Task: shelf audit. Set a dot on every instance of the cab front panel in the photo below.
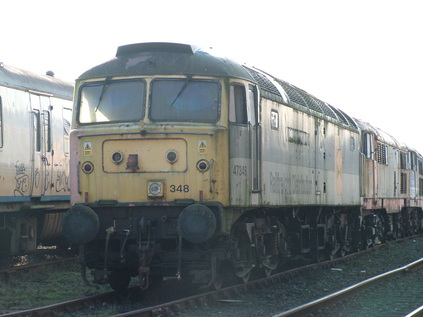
(185, 167)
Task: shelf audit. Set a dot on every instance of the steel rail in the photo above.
(7, 272)
(327, 300)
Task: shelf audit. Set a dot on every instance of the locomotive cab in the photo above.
(149, 142)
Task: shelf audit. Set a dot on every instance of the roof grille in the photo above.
(293, 94)
(344, 117)
(264, 82)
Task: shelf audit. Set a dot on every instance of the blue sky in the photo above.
(364, 57)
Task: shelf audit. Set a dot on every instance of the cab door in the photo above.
(41, 146)
(255, 144)
(244, 145)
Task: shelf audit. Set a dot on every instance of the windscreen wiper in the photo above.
(189, 77)
(103, 91)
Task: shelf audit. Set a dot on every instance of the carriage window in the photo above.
(185, 100)
(237, 105)
(112, 101)
(1, 123)
(47, 130)
(36, 130)
(36, 121)
(67, 117)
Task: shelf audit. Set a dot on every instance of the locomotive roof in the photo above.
(183, 59)
(166, 59)
(381, 135)
(24, 80)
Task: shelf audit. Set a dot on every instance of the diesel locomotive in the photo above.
(186, 164)
(35, 117)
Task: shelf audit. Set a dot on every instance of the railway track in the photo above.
(7, 271)
(394, 293)
(178, 305)
(65, 307)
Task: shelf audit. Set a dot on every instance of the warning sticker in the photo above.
(88, 149)
(202, 146)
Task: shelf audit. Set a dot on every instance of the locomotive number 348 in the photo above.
(179, 188)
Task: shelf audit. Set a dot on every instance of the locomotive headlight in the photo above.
(172, 156)
(155, 189)
(117, 157)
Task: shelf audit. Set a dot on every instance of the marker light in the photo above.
(203, 165)
(87, 167)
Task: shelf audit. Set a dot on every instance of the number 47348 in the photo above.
(179, 188)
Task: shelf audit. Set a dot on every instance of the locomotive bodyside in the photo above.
(34, 155)
(391, 182)
(298, 160)
(308, 160)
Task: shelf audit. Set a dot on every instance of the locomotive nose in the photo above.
(80, 224)
(197, 223)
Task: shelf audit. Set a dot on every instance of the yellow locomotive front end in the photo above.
(149, 172)
(151, 165)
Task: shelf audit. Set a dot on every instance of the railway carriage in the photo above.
(189, 165)
(35, 116)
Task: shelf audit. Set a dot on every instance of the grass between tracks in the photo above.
(45, 287)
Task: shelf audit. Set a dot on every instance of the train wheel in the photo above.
(321, 256)
(243, 259)
(245, 278)
(268, 272)
(333, 244)
(399, 233)
(219, 273)
(218, 282)
(267, 247)
(333, 251)
(243, 273)
(119, 280)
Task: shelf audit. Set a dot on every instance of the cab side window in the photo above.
(252, 95)
(238, 105)
(367, 145)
